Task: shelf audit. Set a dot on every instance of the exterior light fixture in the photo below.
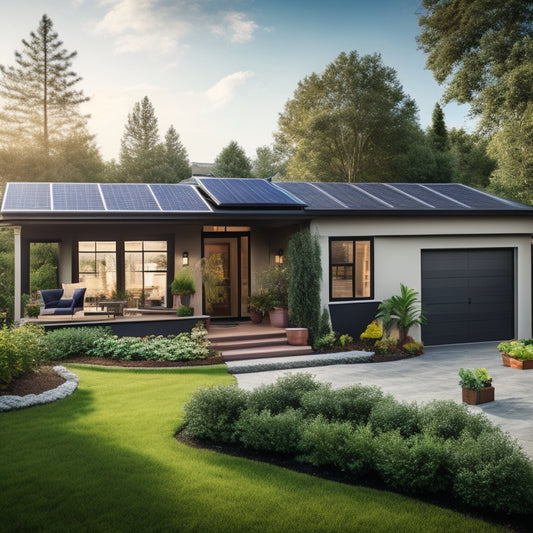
(278, 258)
(185, 259)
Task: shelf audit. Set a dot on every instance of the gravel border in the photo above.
(9, 403)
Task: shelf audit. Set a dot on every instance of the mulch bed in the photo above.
(34, 382)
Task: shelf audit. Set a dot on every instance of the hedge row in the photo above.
(439, 448)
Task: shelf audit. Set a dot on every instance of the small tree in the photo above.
(232, 162)
(176, 163)
(305, 274)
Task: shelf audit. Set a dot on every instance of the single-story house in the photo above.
(467, 253)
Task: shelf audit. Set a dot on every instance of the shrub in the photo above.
(278, 433)
(21, 350)
(352, 404)
(286, 392)
(212, 413)
(184, 310)
(420, 464)
(522, 349)
(448, 420)
(324, 325)
(492, 472)
(73, 342)
(386, 345)
(372, 332)
(413, 348)
(338, 444)
(325, 342)
(389, 414)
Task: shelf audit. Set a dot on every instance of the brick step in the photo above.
(265, 336)
(265, 351)
(246, 343)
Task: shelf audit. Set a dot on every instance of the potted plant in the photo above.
(477, 386)
(274, 282)
(183, 285)
(259, 303)
(517, 354)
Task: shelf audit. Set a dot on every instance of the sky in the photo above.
(219, 70)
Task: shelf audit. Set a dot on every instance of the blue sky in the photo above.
(219, 70)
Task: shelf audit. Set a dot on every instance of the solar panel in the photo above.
(179, 198)
(426, 194)
(393, 197)
(129, 197)
(242, 192)
(471, 197)
(311, 195)
(27, 197)
(77, 197)
(351, 196)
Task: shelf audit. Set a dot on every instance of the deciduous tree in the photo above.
(348, 123)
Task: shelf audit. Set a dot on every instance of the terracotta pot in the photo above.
(279, 318)
(255, 315)
(474, 397)
(516, 363)
(297, 336)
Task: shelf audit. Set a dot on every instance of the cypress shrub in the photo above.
(305, 275)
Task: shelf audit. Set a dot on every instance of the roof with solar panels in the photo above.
(203, 196)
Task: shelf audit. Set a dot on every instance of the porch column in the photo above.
(18, 274)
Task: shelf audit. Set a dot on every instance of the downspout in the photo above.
(18, 274)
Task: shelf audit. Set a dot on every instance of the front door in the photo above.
(226, 275)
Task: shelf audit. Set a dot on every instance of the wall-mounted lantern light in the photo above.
(185, 259)
(278, 258)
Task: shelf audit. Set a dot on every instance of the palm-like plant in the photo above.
(404, 310)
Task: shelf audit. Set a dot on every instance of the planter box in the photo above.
(474, 397)
(516, 363)
(297, 336)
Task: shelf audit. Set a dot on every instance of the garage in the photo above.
(468, 295)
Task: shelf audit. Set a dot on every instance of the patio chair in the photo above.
(54, 304)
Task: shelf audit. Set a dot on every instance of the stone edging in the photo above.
(8, 403)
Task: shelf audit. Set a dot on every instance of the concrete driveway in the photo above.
(434, 375)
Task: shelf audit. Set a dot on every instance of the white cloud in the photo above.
(144, 25)
(237, 27)
(224, 90)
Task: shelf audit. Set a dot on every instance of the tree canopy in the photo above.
(232, 162)
(348, 123)
(482, 50)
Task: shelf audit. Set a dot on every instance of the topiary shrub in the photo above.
(279, 433)
(212, 413)
(352, 404)
(286, 392)
(73, 342)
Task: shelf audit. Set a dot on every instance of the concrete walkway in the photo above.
(434, 375)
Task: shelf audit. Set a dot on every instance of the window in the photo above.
(97, 267)
(146, 272)
(350, 268)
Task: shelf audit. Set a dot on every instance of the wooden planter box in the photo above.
(474, 397)
(297, 336)
(516, 363)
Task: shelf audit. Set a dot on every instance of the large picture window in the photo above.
(97, 267)
(350, 268)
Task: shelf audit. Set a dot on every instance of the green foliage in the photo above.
(325, 342)
(212, 413)
(73, 342)
(403, 309)
(338, 444)
(7, 279)
(372, 332)
(413, 348)
(268, 163)
(274, 284)
(305, 275)
(324, 324)
(348, 123)
(521, 350)
(183, 283)
(389, 414)
(449, 420)
(182, 347)
(492, 472)
(420, 464)
(232, 162)
(474, 379)
(21, 350)
(385, 346)
(185, 310)
(285, 393)
(33, 311)
(353, 404)
(176, 165)
(261, 301)
(279, 433)
(438, 133)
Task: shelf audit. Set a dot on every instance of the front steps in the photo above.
(248, 341)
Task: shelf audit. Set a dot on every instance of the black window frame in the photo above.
(353, 263)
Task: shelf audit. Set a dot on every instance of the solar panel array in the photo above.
(242, 192)
(210, 194)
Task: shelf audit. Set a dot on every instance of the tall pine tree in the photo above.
(438, 133)
(41, 99)
(232, 162)
(177, 165)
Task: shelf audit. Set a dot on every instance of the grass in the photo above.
(105, 459)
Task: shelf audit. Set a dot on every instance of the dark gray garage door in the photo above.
(468, 295)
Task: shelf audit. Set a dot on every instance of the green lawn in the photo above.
(105, 459)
